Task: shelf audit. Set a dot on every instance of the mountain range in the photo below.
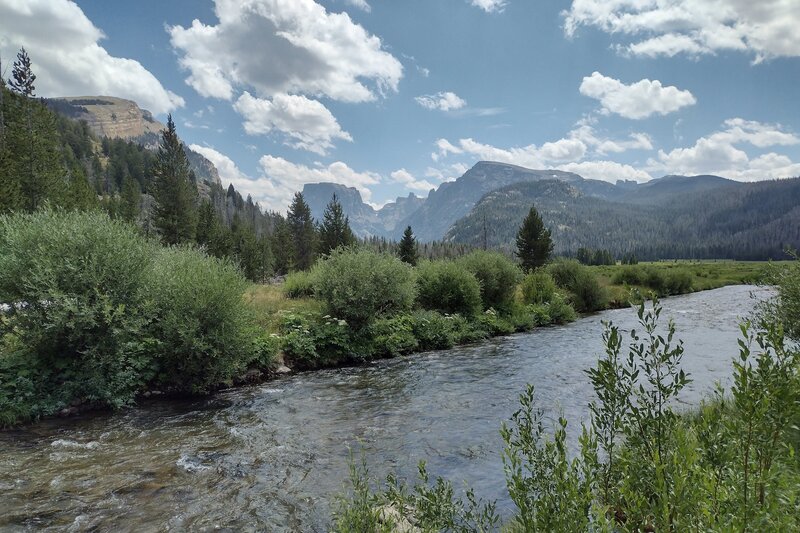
(668, 217)
(701, 216)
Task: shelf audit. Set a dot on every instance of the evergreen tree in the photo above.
(32, 142)
(131, 199)
(534, 244)
(408, 248)
(335, 229)
(22, 76)
(281, 247)
(175, 211)
(303, 233)
(207, 222)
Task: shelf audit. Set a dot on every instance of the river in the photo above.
(271, 457)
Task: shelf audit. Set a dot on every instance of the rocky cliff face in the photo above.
(108, 116)
(117, 118)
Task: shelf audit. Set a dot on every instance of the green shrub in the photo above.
(465, 331)
(560, 311)
(311, 341)
(538, 287)
(786, 307)
(201, 327)
(394, 336)
(360, 285)
(655, 280)
(494, 324)
(76, 333)
(300, 284)
(433, 330)
(447, 287)
(678, 281)
(498, 277)
(265, 350)
(629, 275)
(662, 282)
(586, 293)
(297, 341)
(540, 314)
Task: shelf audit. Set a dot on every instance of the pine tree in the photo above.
(303, 232)
(32, 141)
(175, 211)
(408, 248)
(22, 76)
(335, 229)
(281, 245)
(131, 199)
(534, 244)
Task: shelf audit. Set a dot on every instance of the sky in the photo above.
(396, 97)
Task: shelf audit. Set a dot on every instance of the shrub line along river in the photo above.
(271, 457)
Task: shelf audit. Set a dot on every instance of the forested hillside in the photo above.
(49, 159)
(730, 220)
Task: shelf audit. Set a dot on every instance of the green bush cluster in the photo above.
(585, 292)
(368, 297)
(498, 277)
(538, 287)
(311, 341)
(301, 284)
(447, 287)
(359, 285)
(99, 313)
(201, 331)
(662, 281)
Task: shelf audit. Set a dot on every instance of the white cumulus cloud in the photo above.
(404, 177)
(761, 28)
(723, 153)
(606, 171)
(306, 123)
(279, 178)
(441, 101)
(490, 6)
(636, 101)
(284, 46)
(360, 4)
(68, 59)
(286, 178)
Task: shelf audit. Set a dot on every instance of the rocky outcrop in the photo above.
(117, 118)
(109, 116)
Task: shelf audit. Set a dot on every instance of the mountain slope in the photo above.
(735, 220)
(117, 118)
(365, 221)
(454, 200)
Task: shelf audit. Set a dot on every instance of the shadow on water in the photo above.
(271, 457)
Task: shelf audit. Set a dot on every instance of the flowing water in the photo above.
(272, 457)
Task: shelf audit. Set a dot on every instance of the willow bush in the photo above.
(640, 465)
(74, 329)
(359, 285)
(95, 313)
(200, 331)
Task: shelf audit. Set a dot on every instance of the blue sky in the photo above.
(394, 97)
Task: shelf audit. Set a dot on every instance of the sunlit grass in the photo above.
(270, 301)
(707, 274)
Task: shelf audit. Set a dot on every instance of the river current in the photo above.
(272, 457)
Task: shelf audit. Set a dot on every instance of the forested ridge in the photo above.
(733, 220)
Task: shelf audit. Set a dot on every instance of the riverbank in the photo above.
(640, 462)
(284, 314)
(272, 457)
(175, 323)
